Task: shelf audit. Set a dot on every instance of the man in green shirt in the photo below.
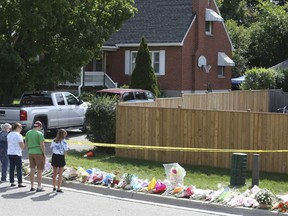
(36, 150)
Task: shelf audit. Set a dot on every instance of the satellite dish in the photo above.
(202, 61)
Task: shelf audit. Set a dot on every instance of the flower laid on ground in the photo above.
(264, 196)
(174, 186)
(283, 207)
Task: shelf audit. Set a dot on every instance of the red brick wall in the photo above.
(181, 68)
(209, 46)
(115, 67)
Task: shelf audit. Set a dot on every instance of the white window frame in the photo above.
(209, 24)
(130, 57)
(221, 72)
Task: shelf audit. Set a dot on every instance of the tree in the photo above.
(259, 32)
(269, 36)
(241, 42)
(46, 42)
(259, 78)
(282, 79)
(143, 75)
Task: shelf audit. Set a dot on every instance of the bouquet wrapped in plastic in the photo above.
(174, 174)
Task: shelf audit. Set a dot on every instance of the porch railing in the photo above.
(94, 79)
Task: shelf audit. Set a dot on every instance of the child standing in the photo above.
(59, 148)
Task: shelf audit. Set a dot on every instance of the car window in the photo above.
(140, 96)
(71, 100)
(128, 96)
(60, 99)
(36, 99)
(150, 95)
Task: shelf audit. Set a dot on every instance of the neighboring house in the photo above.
(281, 66)
(189, 47)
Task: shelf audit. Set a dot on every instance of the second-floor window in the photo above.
(209, 27)
(221, 72)
(157, 61)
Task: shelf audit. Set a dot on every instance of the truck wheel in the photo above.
(44, 130)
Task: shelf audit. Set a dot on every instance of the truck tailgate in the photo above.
(9, 114)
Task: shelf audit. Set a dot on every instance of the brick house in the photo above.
(188, 41)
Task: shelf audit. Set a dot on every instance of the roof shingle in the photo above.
(159, 21)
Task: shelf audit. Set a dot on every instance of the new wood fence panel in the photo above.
(203, 129)
(257, 101)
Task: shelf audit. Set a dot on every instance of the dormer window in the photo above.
(209, 27)
(210, 17)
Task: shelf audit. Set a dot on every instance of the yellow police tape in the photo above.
(164, 148)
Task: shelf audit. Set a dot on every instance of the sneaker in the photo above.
(13, 185)
(32, 189)
(60, 191)
(21, 185)
(40, 189)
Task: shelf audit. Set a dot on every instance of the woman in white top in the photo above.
(59, 148)
(15, 147)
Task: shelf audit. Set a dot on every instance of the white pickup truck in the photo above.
(54, 109)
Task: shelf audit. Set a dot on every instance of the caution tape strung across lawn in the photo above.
(180, 149)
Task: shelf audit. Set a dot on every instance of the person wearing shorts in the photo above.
(36, 150)
(59, 148)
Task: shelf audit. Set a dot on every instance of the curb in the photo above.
(166, 200)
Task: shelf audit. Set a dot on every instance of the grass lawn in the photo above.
(201, 177)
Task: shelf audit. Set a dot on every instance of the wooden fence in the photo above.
(257, 101)
(191, 128)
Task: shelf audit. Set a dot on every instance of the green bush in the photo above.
(259, 78)
(101, 120)
(87, 96)
(282, 79)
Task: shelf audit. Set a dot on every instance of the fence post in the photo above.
(255, 169)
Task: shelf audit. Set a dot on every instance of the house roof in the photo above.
(283, 65)
(159, 21)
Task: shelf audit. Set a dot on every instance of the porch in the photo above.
(92, 79)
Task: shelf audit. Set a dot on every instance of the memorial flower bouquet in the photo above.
(283, 207)
(265, 197)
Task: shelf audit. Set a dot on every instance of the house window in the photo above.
(157, 61)
(209, 27)
(221, 73)
(133, 60)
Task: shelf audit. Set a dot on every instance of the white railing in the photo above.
(93, 78)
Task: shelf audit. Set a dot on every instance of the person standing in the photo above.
(59, 148)
(5, 129)
(15, 147)
(36, 150)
